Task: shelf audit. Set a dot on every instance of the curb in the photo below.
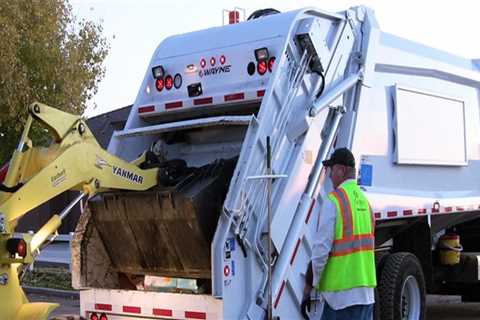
(71, 294)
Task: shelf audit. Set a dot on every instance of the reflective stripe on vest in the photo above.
(349, 243)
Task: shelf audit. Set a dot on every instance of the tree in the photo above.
(48, 56)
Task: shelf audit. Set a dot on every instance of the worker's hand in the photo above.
(307, 290)
(305, 307)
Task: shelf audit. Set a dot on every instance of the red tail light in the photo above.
(4, 171)
(103, 317)
(159, 84)
(17, 246)
(168, 82)
(223, 59)
(271, 62)
(93, 316)
(212, 61)
(146, 109)
(22, 248)
(203, 63)
(262, 67)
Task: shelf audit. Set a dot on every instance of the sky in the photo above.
(134, 28)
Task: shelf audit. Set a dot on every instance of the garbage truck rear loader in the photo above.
(309, 81)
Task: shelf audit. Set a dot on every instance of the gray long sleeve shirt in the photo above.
(322, 245)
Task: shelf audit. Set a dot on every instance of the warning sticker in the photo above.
(366, 173)
(229, 247)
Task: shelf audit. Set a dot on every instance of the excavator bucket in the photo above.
(165, 231)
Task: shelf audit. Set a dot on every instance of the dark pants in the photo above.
(356, 312)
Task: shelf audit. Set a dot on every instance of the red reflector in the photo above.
(233, 17)
(168, 82)
(131, 309)
(295, 252)
(146, 109)
(203, 63)
(159, 84)
(260, 93)
(407, 212)
(235, 96)
(222, 59)
(162, 312)
(4, 171)
(195, 315)
(422, 211)
(310, 211)
(198, 102)
(391, 214)
(262, 67)
(103, 307)
(277, 300)
(94, 316)
(226, 271)
(378, 215)
(212, 61)
(271, 62)
(173, 105)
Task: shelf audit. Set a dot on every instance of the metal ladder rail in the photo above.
(298, 81)
(282, 107)
(339, 88)
(254, 163)
(258, 209)
(283, 268)
(253, 153)
(282, 116)
(275, 96)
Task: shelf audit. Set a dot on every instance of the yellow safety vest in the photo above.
(352, 260)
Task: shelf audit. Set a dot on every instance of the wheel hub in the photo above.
(411, 302)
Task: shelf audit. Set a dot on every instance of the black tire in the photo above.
(402, 272)
(377, 313)
(380, 258)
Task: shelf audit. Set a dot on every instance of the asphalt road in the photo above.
(438, 307)
(67, 306)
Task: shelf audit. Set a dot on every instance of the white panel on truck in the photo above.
(430, 129)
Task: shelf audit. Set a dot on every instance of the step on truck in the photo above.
(238, 119)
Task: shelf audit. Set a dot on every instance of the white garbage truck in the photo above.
(238, 119)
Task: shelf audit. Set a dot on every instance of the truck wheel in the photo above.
(380, 258)
(402, 288)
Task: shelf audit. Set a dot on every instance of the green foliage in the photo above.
(44, 277)
(45, 55)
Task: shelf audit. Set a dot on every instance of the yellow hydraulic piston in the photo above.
(74, 161)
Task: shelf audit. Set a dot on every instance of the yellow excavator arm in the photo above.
(74, 161)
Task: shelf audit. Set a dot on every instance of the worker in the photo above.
(342, 269)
